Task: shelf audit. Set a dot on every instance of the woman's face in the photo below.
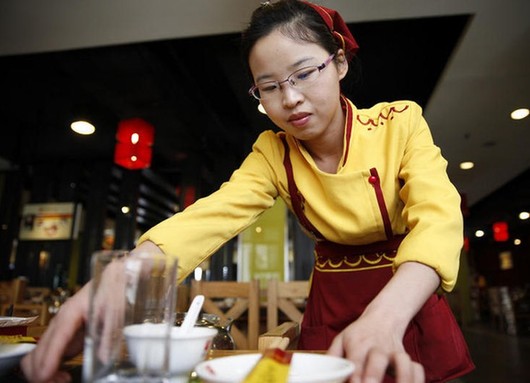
(306, 113)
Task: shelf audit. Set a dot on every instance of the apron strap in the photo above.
(297, 199)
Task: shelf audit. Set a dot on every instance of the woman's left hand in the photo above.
(375, 348)
(374, 342)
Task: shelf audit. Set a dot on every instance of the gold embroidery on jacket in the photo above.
(388, 116)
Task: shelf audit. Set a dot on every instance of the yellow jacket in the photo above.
(392, 137)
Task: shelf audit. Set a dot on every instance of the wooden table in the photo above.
(74, 365)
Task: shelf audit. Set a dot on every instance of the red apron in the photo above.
(433, 338)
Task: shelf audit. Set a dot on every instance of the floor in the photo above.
(499, 358)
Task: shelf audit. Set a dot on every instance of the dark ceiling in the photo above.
(194, 92)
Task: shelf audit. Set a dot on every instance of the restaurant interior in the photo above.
(172, 71)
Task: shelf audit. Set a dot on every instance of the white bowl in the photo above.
(145, 346)
(10, 355)
(305, 367)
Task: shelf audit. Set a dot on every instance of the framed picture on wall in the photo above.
(49, 221)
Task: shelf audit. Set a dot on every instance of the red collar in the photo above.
(346, 106)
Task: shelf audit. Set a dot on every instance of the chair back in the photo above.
(231, 299)
(183, 298)
(18, 299)
(288, 298)
(12, 291)
(37, 294)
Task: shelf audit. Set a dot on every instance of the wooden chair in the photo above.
(230, 299)
(183, 298)
(284, 336)
(25, 301)
(6, 293)
(12, 291)
(36, 294)
(287, 298)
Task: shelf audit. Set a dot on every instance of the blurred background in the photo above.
(173, 70)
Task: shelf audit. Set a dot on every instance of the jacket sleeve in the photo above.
(432, 205)
(201, 229)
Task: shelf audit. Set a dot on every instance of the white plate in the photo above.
(305, 367)
(10, 355)
(16, 321)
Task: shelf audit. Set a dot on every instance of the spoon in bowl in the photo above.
(193, 313)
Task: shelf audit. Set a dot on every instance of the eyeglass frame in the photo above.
(320, 68)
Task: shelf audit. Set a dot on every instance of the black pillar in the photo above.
(11, 186)
(125, 230)
(95, 212)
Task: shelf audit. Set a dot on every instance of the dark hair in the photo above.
(294, 19)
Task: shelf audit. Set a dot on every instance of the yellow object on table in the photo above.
(10, 339)
(273, 366)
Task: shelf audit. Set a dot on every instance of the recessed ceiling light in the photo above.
(524, 215)
(479, 233)
(517, 241)
(466, 165)
(519, 114)
(83, 127)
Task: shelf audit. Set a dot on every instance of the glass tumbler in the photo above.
(131, 313)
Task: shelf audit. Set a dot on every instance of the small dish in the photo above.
(16, 321)
(11, 353)
(305, 368)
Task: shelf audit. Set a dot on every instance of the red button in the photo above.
(372, 179)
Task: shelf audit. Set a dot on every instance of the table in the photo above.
(74, 365)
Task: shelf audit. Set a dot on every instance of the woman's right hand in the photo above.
(64, 338)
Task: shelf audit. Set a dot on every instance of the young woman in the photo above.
(368, 185)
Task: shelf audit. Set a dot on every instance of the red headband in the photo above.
(338, 27)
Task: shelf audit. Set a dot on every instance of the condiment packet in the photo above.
(10, 339)
(272, 367)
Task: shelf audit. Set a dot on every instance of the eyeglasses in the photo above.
(298, 79)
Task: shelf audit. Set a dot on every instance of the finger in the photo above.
(62, 377)
(418, 372)
(406, 370)
(375, 366)
(402, 367)
(336, 347)
(57, 377)
(43, 362)
(110, 336)
(340, 348)
(109, 308)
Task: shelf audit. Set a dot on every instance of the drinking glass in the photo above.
(131, 293)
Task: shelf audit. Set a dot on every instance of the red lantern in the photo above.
(500, 231)
(135, 130)
(132, 156)
(133, 149)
